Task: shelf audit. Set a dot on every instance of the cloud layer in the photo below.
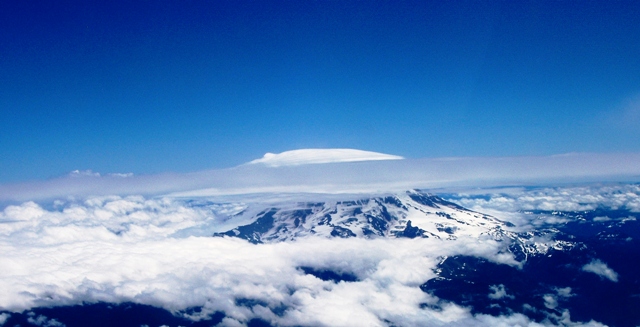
(346, 177)
(118, 249)
(119, 238)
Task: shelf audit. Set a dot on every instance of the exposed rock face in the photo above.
(410, 214)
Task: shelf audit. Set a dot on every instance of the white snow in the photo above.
(317, 156)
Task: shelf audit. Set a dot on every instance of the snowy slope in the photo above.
(410, 214)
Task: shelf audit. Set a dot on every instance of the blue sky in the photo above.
(154, 86)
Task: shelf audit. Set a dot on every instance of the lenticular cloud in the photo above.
(318, 156)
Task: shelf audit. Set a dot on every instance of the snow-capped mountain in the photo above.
(410, 214)
(430, 259)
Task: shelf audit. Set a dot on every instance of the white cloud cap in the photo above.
(318, 156)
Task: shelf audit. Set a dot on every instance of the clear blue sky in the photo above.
(154, 86)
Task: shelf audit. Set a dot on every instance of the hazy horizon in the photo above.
(152, 87)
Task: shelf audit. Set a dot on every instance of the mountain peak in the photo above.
(318, 156)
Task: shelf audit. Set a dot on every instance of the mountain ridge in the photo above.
(410, 214)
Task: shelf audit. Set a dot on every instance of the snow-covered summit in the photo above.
(317, 156)
(410, 214)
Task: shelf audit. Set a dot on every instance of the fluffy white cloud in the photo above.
(601, 269)
(499, 292)
(3, 318)
(43, 321)
(576, 198)
(145, 250)
(564, 292)
(550, 301)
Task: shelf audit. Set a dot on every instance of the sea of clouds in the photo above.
(119, 249)
(61, 245)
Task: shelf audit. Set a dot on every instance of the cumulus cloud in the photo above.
(564, 292)
(550, 301)
(43, 321)
(568, 198)
(499, 292)
(564, 319)
(3, 318)
(145, 250)
(601, 269)
(533, 207)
